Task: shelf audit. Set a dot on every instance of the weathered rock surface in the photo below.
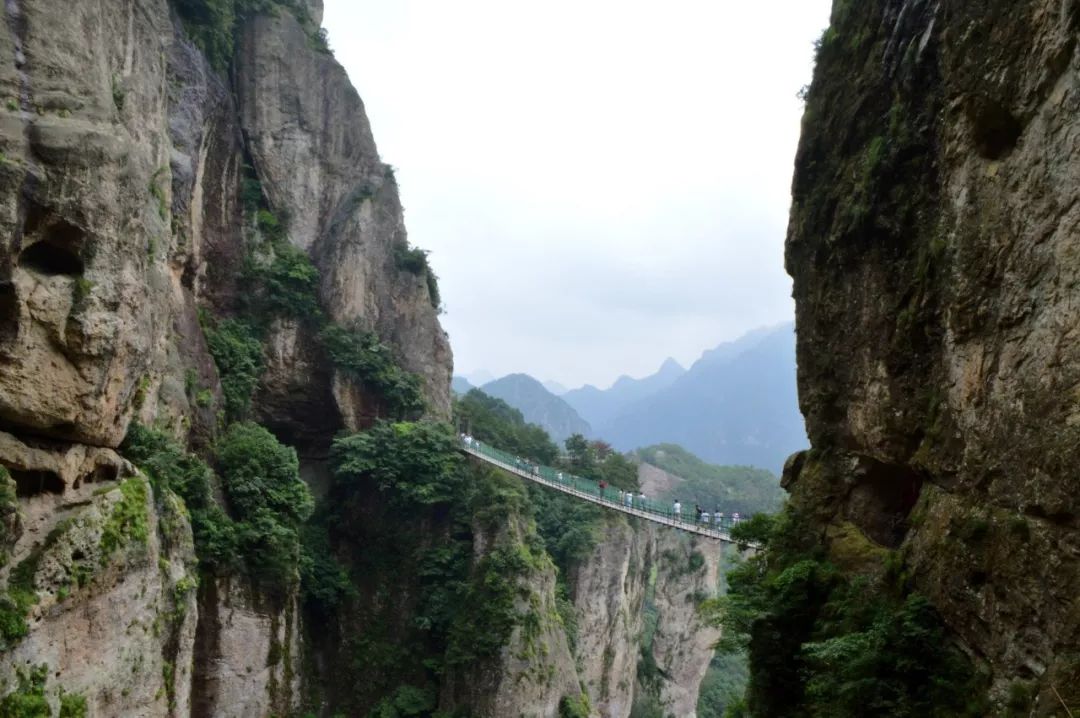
(249, 654)
(535, 670)
(933, 243)
(688, 571)
(83, 282)
(632, 561)
(317, 160)
(609, 590)
(115, 624)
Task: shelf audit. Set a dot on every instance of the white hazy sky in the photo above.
(602, 183)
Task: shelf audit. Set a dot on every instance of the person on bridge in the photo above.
(697, 512)
(705, 517)
(560, 477)
(641, 500)
(676, 508)
(603, 488)
(630, 499)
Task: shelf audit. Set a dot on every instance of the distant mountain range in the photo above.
(600, 406)
(461, 385)
(737, 405)
(554, 387)
(538, 405)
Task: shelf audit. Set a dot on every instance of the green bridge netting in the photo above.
(661, 512)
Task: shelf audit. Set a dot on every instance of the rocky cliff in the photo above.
(204, 279)
(148, 151)
(622, 661)
(932, 244)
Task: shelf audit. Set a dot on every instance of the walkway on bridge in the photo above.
(588, 490)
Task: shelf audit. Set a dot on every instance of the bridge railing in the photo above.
(609, 496)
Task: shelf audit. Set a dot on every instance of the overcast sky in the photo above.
(602, 183)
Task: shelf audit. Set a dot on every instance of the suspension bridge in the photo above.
(588, 490)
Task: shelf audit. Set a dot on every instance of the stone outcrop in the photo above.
(249, 653)
(634, 562)
(111, 575)
(316, 158)
(609, 592)
(688, 572)
(122, 156)
(933, 247)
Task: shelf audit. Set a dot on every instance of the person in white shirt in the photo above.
(677, 509)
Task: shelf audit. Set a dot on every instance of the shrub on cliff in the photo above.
(238, 354)
(361, 355)
(261, 478)
(822, 644)
(412, 463)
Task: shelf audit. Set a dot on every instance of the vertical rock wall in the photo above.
(933, 245)
(631, 561)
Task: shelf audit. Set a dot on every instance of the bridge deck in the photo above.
(579, 488)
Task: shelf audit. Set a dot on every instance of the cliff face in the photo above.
(123, 158)
(151, 163)
(635, 562)
(933, 246)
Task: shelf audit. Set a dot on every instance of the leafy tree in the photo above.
(619, 471)
(171, 468)
(495, 422)
(412, 463)
(287, 285)
(261, 473)
(238, 353)
(582, 459)
(360, 354)
(261, 478)
(823, 644)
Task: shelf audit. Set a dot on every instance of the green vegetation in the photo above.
(28, 698)
(260, 478)
(238, 353)
(128, 521)
(283, 280)
(360, 354)
(497, 423)
(212, 24)
(171, 468)
(407, 701)
(575, 706)
(413, 463)
(21, 594)
(72, 705)
(823, 644)
(119, 94)
(80, 290)
(732, 488)
(9, 513)
(415, 261)
(723, 686)
(396, 486)
(159, 194)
